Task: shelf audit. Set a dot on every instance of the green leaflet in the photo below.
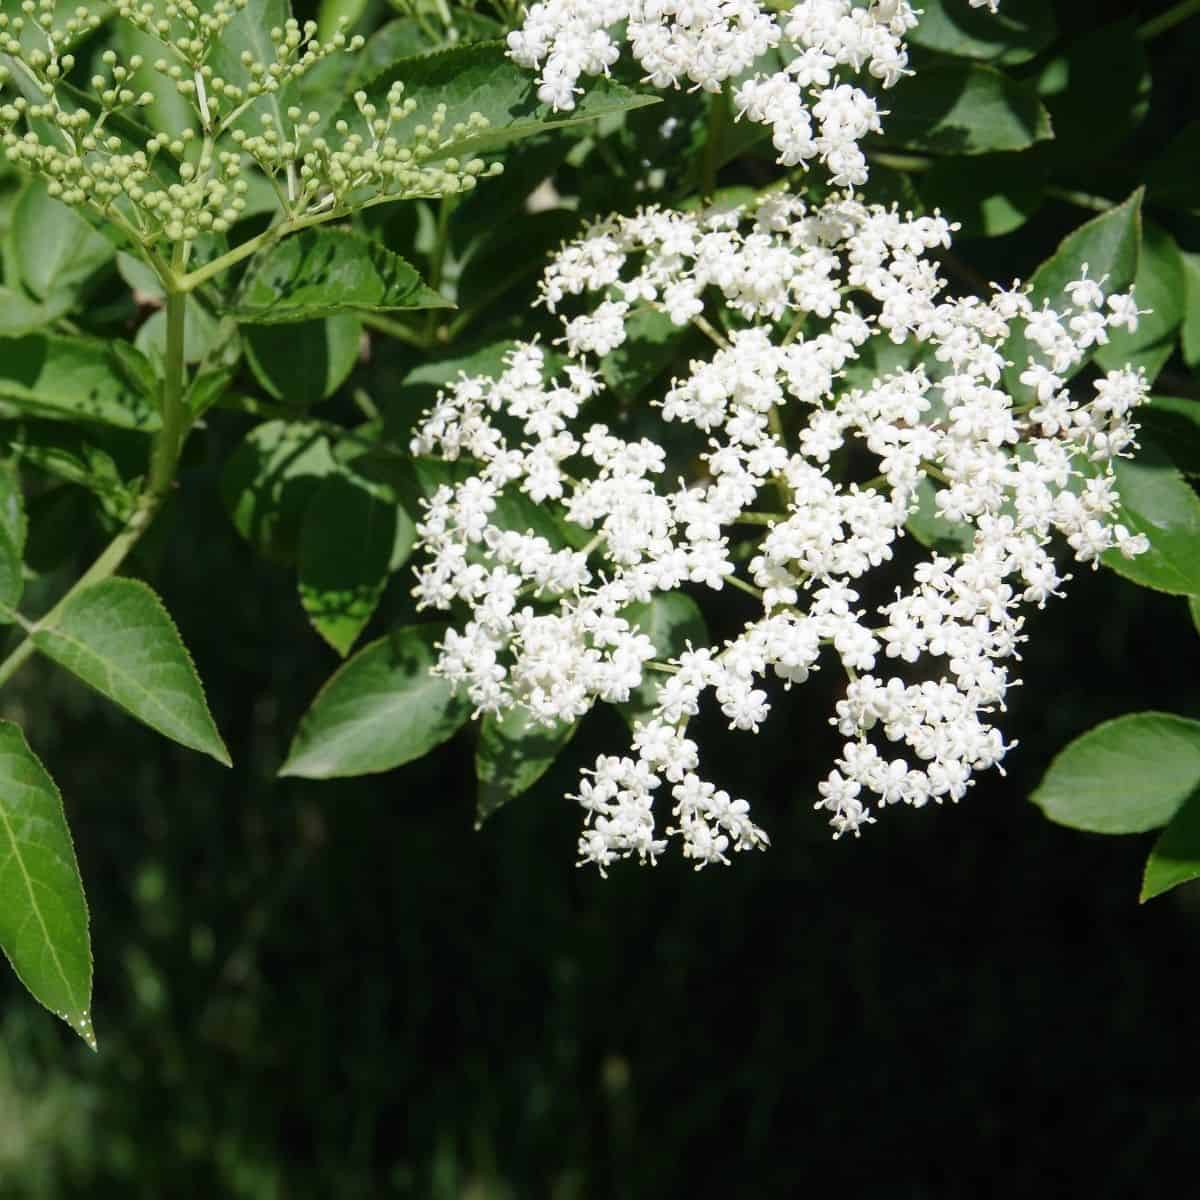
(1159, 287)
(964, 108)
(931, 529)
(1175, 857)
(116, 636)
(72, 379)
(270, 479)
(12, 540)
(380, 709)
(1109, 245)
(1157, 501)
(512, 754)
(319, 272)
(670, 620)
(1013, 35)
(303, 364)
(480, 77)
(43, 915)
(57, 251)
(350, 537)
(1124, 776)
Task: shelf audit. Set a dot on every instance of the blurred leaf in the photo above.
(1013, 35)
(333, 15)
(1159, 287)
(652, 343)
(71, 378)
(1191, 320)
(208, 389)
(1174, 424)
(12, 540)
(1194, 610)
(379, 710)
(345, 555)
(171, 113)
(671, 621)
(1123, 776)
(512, 754)
(56, 249)
(480, 77)
(1157, 501)
(19, 315)
(85, 455)
(997, 194)
(116, 636)
(931, 529)
(270, 480)
(1108, 244)
(1175, 857)
(1098, 91)
(201, 332)
(304, 363)
(61, 522)
(249, 33)
(320, 272)
(964, 108)
(1171, 178)
(43, 915)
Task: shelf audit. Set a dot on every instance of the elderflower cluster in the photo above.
(155, 186)
(805, 293)
(813, 110)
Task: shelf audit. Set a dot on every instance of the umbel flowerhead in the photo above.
(792, 298)
(243, 138)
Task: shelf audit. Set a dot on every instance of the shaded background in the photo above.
(341, 990)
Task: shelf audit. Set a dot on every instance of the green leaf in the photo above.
(320, 272)
(85, 455)
(303, 364)
(250, 33)
(512, 754)
(1194, 610)
(481, 78)
(998, 194)
(116, 636)
(381, 709)
(1191, 319)
(1013, 35)
(1124, 776)
(671, 621)
(1173, 423)
(12, 541)
(57, 251)
(1158, 286)
(345, 556)
(19, 315)
(931, 529)
(269, 481)
(201, 332)
(964, 108)
(70, 378)
(653, 342)
(1175, 858)
(1171, 177)
(43, 915)
(1157, 501)
(1098, 92)
(1109, 245)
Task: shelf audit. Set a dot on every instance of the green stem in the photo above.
(760, 518)
(393, 328)
(712, 143)
(1168, 20)
(1080, 199)
(902, 162)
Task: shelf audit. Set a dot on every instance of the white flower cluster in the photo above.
(807, 292)
(813, 112)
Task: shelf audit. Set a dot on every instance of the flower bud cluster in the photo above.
(804, 294)
(174, 187)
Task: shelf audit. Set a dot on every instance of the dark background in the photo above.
(342, 990)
